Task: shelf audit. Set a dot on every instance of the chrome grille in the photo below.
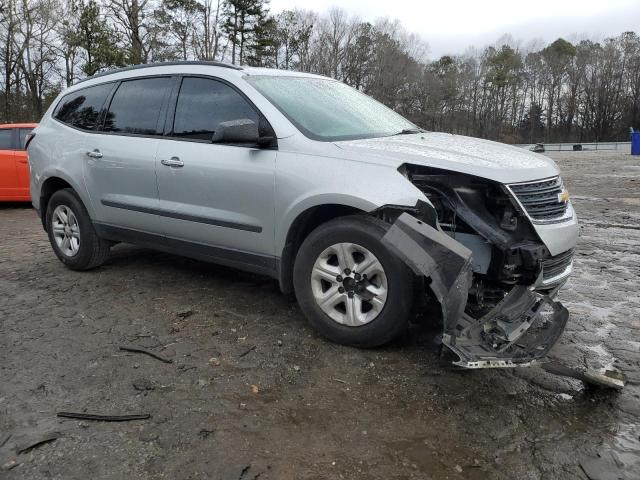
(554, 266)
(541, 199)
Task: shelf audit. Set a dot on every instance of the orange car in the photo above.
(14, 166)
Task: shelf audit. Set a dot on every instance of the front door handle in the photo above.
(94, 154)
(172, 162)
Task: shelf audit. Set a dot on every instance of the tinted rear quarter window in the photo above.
(81, 109)
(6, 139)
(203, 104)
(136, 105)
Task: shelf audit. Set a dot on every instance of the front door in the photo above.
(219, 197)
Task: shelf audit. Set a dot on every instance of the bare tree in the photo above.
(207, 37)
(11, 50)
(67, 48)
(37, 27)
(131, 19)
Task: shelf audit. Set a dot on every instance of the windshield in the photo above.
(328, 110)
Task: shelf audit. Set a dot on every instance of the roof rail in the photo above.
(160, 64)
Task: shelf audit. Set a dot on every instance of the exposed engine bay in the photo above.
(482, 259)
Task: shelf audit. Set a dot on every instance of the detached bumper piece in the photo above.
(516, 332)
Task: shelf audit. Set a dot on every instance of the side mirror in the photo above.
(243, 130)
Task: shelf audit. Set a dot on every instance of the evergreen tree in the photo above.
(174, 27)
(96, 38)
(261, 50)
(244, 23)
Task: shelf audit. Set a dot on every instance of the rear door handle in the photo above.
(172, 162)
(94, 154)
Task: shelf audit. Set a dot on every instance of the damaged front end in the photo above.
(492, 276)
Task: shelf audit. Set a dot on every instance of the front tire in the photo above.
(350, 286)
(71, 233)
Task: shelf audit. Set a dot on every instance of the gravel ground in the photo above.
(296, 406)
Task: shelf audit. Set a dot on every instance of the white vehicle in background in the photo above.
(365, 216)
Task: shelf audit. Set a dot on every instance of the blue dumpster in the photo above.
(635, 143)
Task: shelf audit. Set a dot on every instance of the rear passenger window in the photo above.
(136, 106)
(81, 109)
(203, 104)
(6, 139)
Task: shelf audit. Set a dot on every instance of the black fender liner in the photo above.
(431, 253)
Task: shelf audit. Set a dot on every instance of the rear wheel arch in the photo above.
(50, 186)
(53, 184)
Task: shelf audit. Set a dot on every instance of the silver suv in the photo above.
(366, 217)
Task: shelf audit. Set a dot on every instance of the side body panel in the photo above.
(58, 151)
(306, 180)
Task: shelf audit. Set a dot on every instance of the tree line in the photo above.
(561, 92)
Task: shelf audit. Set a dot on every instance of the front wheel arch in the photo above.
(300, 228)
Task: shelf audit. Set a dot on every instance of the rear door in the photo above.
(8, 174)
(81, 112)
(216, 195)
(120, 171)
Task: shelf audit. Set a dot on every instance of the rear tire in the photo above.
(71, 233)
(382, 301)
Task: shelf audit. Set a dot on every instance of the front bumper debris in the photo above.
(518, 331)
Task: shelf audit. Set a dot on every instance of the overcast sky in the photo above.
(450, 26)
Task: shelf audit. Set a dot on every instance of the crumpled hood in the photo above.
(483, 158)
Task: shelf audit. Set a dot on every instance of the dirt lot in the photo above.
(297, 406)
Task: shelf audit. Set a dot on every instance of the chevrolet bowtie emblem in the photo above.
(563, 197)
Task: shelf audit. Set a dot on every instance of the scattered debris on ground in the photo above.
(104, 418)
(607, 379)
(248, 351)
(48, 438)
(146, 352)
(185, 314)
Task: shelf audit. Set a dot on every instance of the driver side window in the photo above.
(203, 104)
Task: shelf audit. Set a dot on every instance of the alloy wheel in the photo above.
(66, 230)
(349, 284)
